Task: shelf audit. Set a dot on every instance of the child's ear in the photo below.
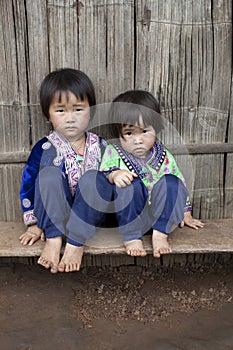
(50, 125)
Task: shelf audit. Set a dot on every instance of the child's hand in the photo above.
(191, 222)
(121, 178)
(32, 235)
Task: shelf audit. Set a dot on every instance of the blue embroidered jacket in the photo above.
(43, 154)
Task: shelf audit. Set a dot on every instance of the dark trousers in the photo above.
(60, 214)
(77, 218)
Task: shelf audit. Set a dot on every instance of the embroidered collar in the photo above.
(154, 160)
(74, 164)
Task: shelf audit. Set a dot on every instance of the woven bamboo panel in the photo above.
(184, 54)
(181, 51)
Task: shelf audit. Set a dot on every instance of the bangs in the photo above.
(66, 83)
(129, 113)
(59, 93)
(122, 114)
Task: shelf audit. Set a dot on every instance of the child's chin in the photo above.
(139, 155)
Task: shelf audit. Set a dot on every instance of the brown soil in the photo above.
(107, 308)
(134, 293)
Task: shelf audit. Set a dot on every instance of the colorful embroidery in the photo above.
(29, 218)
(76, 165)
(46, 145)
(155, 160)
(26, 203)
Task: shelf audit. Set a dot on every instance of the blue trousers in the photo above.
(60, 214)
(77, 218)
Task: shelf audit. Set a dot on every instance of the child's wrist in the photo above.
(111, 176)
(110, 173)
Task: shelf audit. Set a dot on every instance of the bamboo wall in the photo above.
(181, 51)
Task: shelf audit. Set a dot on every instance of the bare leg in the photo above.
(135, 248)
(50, 255)
(72, 258)
(160, 244)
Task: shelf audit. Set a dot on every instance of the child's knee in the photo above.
(169, 183)
(171, 180)
(139, 187)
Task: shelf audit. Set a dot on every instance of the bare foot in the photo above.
(72, 258)
(160, 244)
(135, 248)
(50, 255)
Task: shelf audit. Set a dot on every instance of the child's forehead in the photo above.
(139, 124)
(66, 96)
(133, 127)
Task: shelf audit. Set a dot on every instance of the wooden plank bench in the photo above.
(215, 237)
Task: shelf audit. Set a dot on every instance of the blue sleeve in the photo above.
(30, 172)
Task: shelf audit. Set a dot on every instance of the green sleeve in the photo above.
(174, 169)
(111, 159)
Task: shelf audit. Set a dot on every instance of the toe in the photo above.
(166, 250)
(48, 264)
(72, 267)
(135, 248)
(61, 267)
(141, 253)
(75, 267)
(67, 268)
(43, 262)
(54, 269)
(129, 252)
(156, 253)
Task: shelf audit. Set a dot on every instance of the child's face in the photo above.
(70, 116)
(138, 139)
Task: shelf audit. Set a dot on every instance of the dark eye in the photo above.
(79, 109)
(145, 131)
(128, 133)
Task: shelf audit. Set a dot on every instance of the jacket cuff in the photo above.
(29, 218)
(188, 206)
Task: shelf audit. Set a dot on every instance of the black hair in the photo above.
(65, 80)
(128, 107)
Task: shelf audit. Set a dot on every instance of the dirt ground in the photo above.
(126, 307)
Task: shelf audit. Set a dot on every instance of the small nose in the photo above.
(137, 139)
(69, 117)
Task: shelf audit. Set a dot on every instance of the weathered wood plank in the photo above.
(13, 85)
(192, 41)
(208, 192)
(217, 236)
(10, 178)
(187, 68)
(63, 41)
(106, 48)
(228, 185)
(217, 148)
(209, 148)
(184, 34)
(13, 157)
(38, 64)
(14, 110)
